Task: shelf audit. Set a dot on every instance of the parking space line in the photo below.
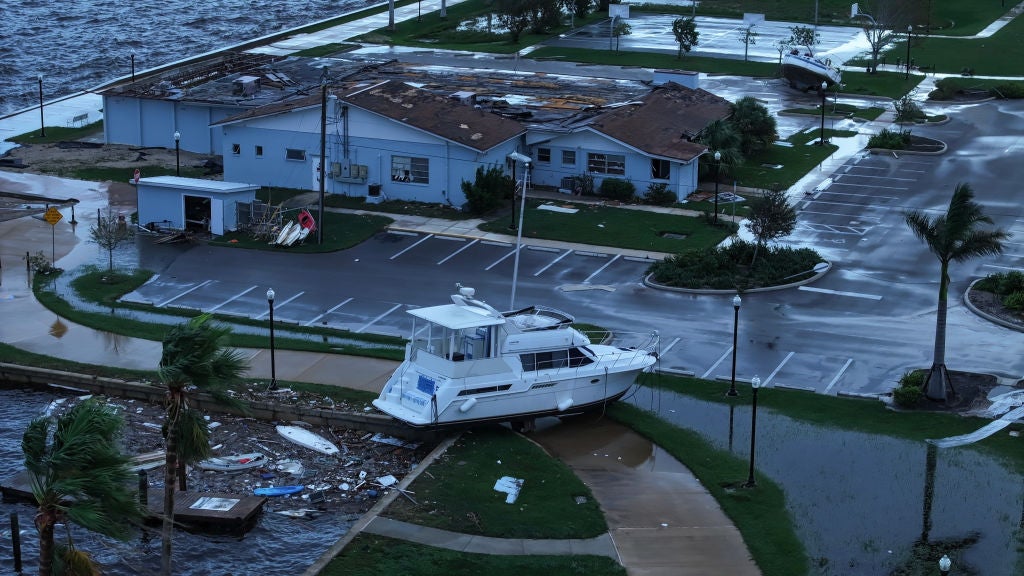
(233, 298)
(454, 254)
(840, 214)
(415, 244)
(768, 380)
(346, 301)
(374, 321)
(871, 186)
(878, 177)
(873, 196)
(500, 260)
(277, 306)
(496, 243)
(715, 365)
(840, 293)
(196, 287)
(601, 269)
(838, 375)
(665, 350)
(553, 262)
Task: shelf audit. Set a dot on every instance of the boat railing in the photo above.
(559, 318)
(649, 347)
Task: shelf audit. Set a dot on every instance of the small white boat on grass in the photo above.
(308, 439)
(469, 363)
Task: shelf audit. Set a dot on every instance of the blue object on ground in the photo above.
(277, 490)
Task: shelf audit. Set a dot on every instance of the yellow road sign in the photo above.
(52, 215)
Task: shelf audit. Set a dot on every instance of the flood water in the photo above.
(858, 499)
(277, 546)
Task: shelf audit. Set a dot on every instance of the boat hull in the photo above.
(806, 73)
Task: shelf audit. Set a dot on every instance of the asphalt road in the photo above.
(855, 331)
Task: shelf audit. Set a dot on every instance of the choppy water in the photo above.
(78, 44)
(277, 546)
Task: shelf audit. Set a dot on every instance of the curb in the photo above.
(985, 315)
(652, 284)
(357, 528)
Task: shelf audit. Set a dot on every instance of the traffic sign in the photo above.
(52, 215)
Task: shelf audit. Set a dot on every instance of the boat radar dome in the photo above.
(467, 291)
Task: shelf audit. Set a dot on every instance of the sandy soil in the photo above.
(62, 157)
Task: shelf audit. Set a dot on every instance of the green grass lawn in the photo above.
(841, 109)
(372, 555)
(609, 226)
(459, 494)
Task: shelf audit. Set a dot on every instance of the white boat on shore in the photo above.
(806, 71)
(469, 363)
(308, 439)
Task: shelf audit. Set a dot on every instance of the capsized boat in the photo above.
(468, 363)
(806, 71)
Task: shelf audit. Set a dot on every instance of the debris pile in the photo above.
(348, 482)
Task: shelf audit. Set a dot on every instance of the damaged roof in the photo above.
(664, 122)
(448, 118)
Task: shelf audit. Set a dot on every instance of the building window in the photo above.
(236, 149)
(294, 154)
(606, 163)
(410, 169)
(568, 157)
(660, 169)
(259, 151)
(544, 155)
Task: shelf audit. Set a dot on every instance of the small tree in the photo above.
(952, 237)
(749, 38)
(804, 36)
(685, 31)
(782, 46)
(755, 125)
(771, 217)
(621, 29)
(907, 109)
(109, 232)
(488, 191)
(514, 15)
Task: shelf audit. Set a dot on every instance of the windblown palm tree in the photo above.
(78, 474)
(194, 360)
(952, 237)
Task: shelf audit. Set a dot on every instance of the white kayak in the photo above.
(308, 439)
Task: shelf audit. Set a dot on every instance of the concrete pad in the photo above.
(500, 546)
(684, 551)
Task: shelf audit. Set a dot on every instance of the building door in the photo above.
(197, 213)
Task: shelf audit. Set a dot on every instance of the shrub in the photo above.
(913, 378)
(890, 140)
(617, 189)
(1003, 283)
(726, 267)
(907, 110)
(489, 190)
(659, 195)
(40, 264)
(907, 396)
(1015, 301)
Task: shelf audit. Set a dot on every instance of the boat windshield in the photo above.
(457, 345)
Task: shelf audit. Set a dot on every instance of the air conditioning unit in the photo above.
(360, 171)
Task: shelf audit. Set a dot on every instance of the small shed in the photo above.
(192, 204)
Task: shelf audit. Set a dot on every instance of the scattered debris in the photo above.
(510, 486)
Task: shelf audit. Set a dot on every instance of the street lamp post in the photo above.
(735, 329)
(42, 123)
(755, 383)
(419, 11)
(177, 153)
(133, 66)
(718, 168)
(273, 366)
(910, 29)
(824, 87)
(944, 565)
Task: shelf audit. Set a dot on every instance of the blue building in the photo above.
(385, 139)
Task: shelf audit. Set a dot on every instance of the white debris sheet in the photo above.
(555, 208)
(981, 433)
(510, 486)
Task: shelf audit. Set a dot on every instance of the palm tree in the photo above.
(194, 360)
(78, 474)
(952, 237)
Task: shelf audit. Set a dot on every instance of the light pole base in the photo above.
(732, 392)
(750, 484)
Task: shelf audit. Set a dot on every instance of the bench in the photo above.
(79, 121)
